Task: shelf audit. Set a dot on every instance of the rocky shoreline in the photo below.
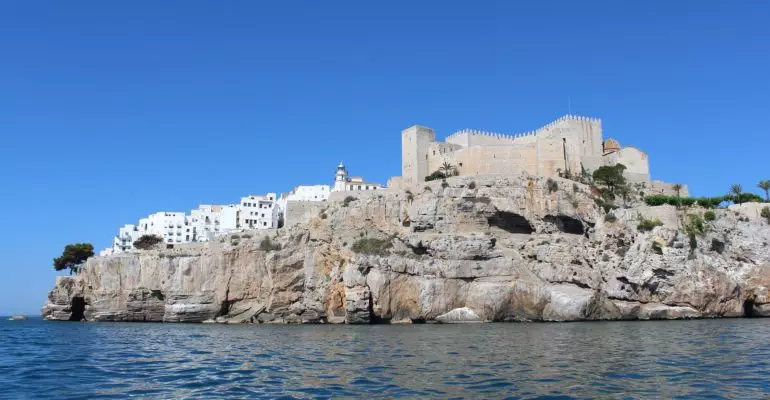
(470, 249)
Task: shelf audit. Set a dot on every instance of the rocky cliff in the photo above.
(469, 249)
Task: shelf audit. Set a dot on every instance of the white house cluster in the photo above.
(253, 212)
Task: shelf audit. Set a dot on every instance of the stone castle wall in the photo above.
(571, 142)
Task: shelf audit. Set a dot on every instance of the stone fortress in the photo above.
(571, 144)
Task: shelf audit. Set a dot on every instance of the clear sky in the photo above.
(113, 110)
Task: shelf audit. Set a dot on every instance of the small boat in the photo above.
(17, 318)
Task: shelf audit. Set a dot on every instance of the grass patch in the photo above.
(379, 247)
(646, 225)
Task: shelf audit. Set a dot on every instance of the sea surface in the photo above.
(708, 359)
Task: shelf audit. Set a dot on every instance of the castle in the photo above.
(570, 145)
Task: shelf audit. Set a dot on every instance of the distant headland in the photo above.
(557, 224)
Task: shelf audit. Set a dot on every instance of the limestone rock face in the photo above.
(483, 248)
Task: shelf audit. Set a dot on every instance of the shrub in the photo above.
(246, 236)
(765, 213)
(661, 199)
(607, 207)
(748, 197)
(472, 185)
(427, 188)
(695, 225)
(610, 217)
(348, 200)
(436, 175)
(409, 196)
(709, 216)
(444, 184)
(656, 200)
(646, 225)
(372, 246)
(267, 245)
(147, 241)
(552, 185)
(710, 202)
(323, 215)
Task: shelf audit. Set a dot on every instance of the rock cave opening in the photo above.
(224, 308)
(78, 307)
(510, 222)
(566, 224)
(748, 309)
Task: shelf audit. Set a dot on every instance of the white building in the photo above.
(173, 227)
(345, 183)
(125, 238)
(259, 212)
(309, 193)
(205, 222)
(228, 218)
(209, 221)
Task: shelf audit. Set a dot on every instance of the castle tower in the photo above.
(414, 153)
(340, 178)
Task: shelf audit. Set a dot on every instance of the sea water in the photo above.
(727, 358)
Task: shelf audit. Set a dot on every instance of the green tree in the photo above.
(73, 257)
(765, 185)
(611, 177)
(147, 241)
(737, 190)
(448, 169)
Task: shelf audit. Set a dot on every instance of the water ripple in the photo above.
(673, 359)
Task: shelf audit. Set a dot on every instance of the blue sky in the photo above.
(110, 111)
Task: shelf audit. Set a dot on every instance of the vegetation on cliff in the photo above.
(73, 257)
(146, 242)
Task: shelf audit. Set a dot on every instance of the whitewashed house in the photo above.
(259, 212)
(125, 238)
(173, 227)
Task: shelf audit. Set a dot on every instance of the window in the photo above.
(264, 224)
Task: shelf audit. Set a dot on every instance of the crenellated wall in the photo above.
(570, 142)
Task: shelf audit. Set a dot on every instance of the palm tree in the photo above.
(737, 190)
(765, 185)
(447, 168)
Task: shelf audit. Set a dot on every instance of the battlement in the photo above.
(514, 136)
(570, 142)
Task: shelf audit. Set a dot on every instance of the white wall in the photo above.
(309, 193)
(259, 212)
